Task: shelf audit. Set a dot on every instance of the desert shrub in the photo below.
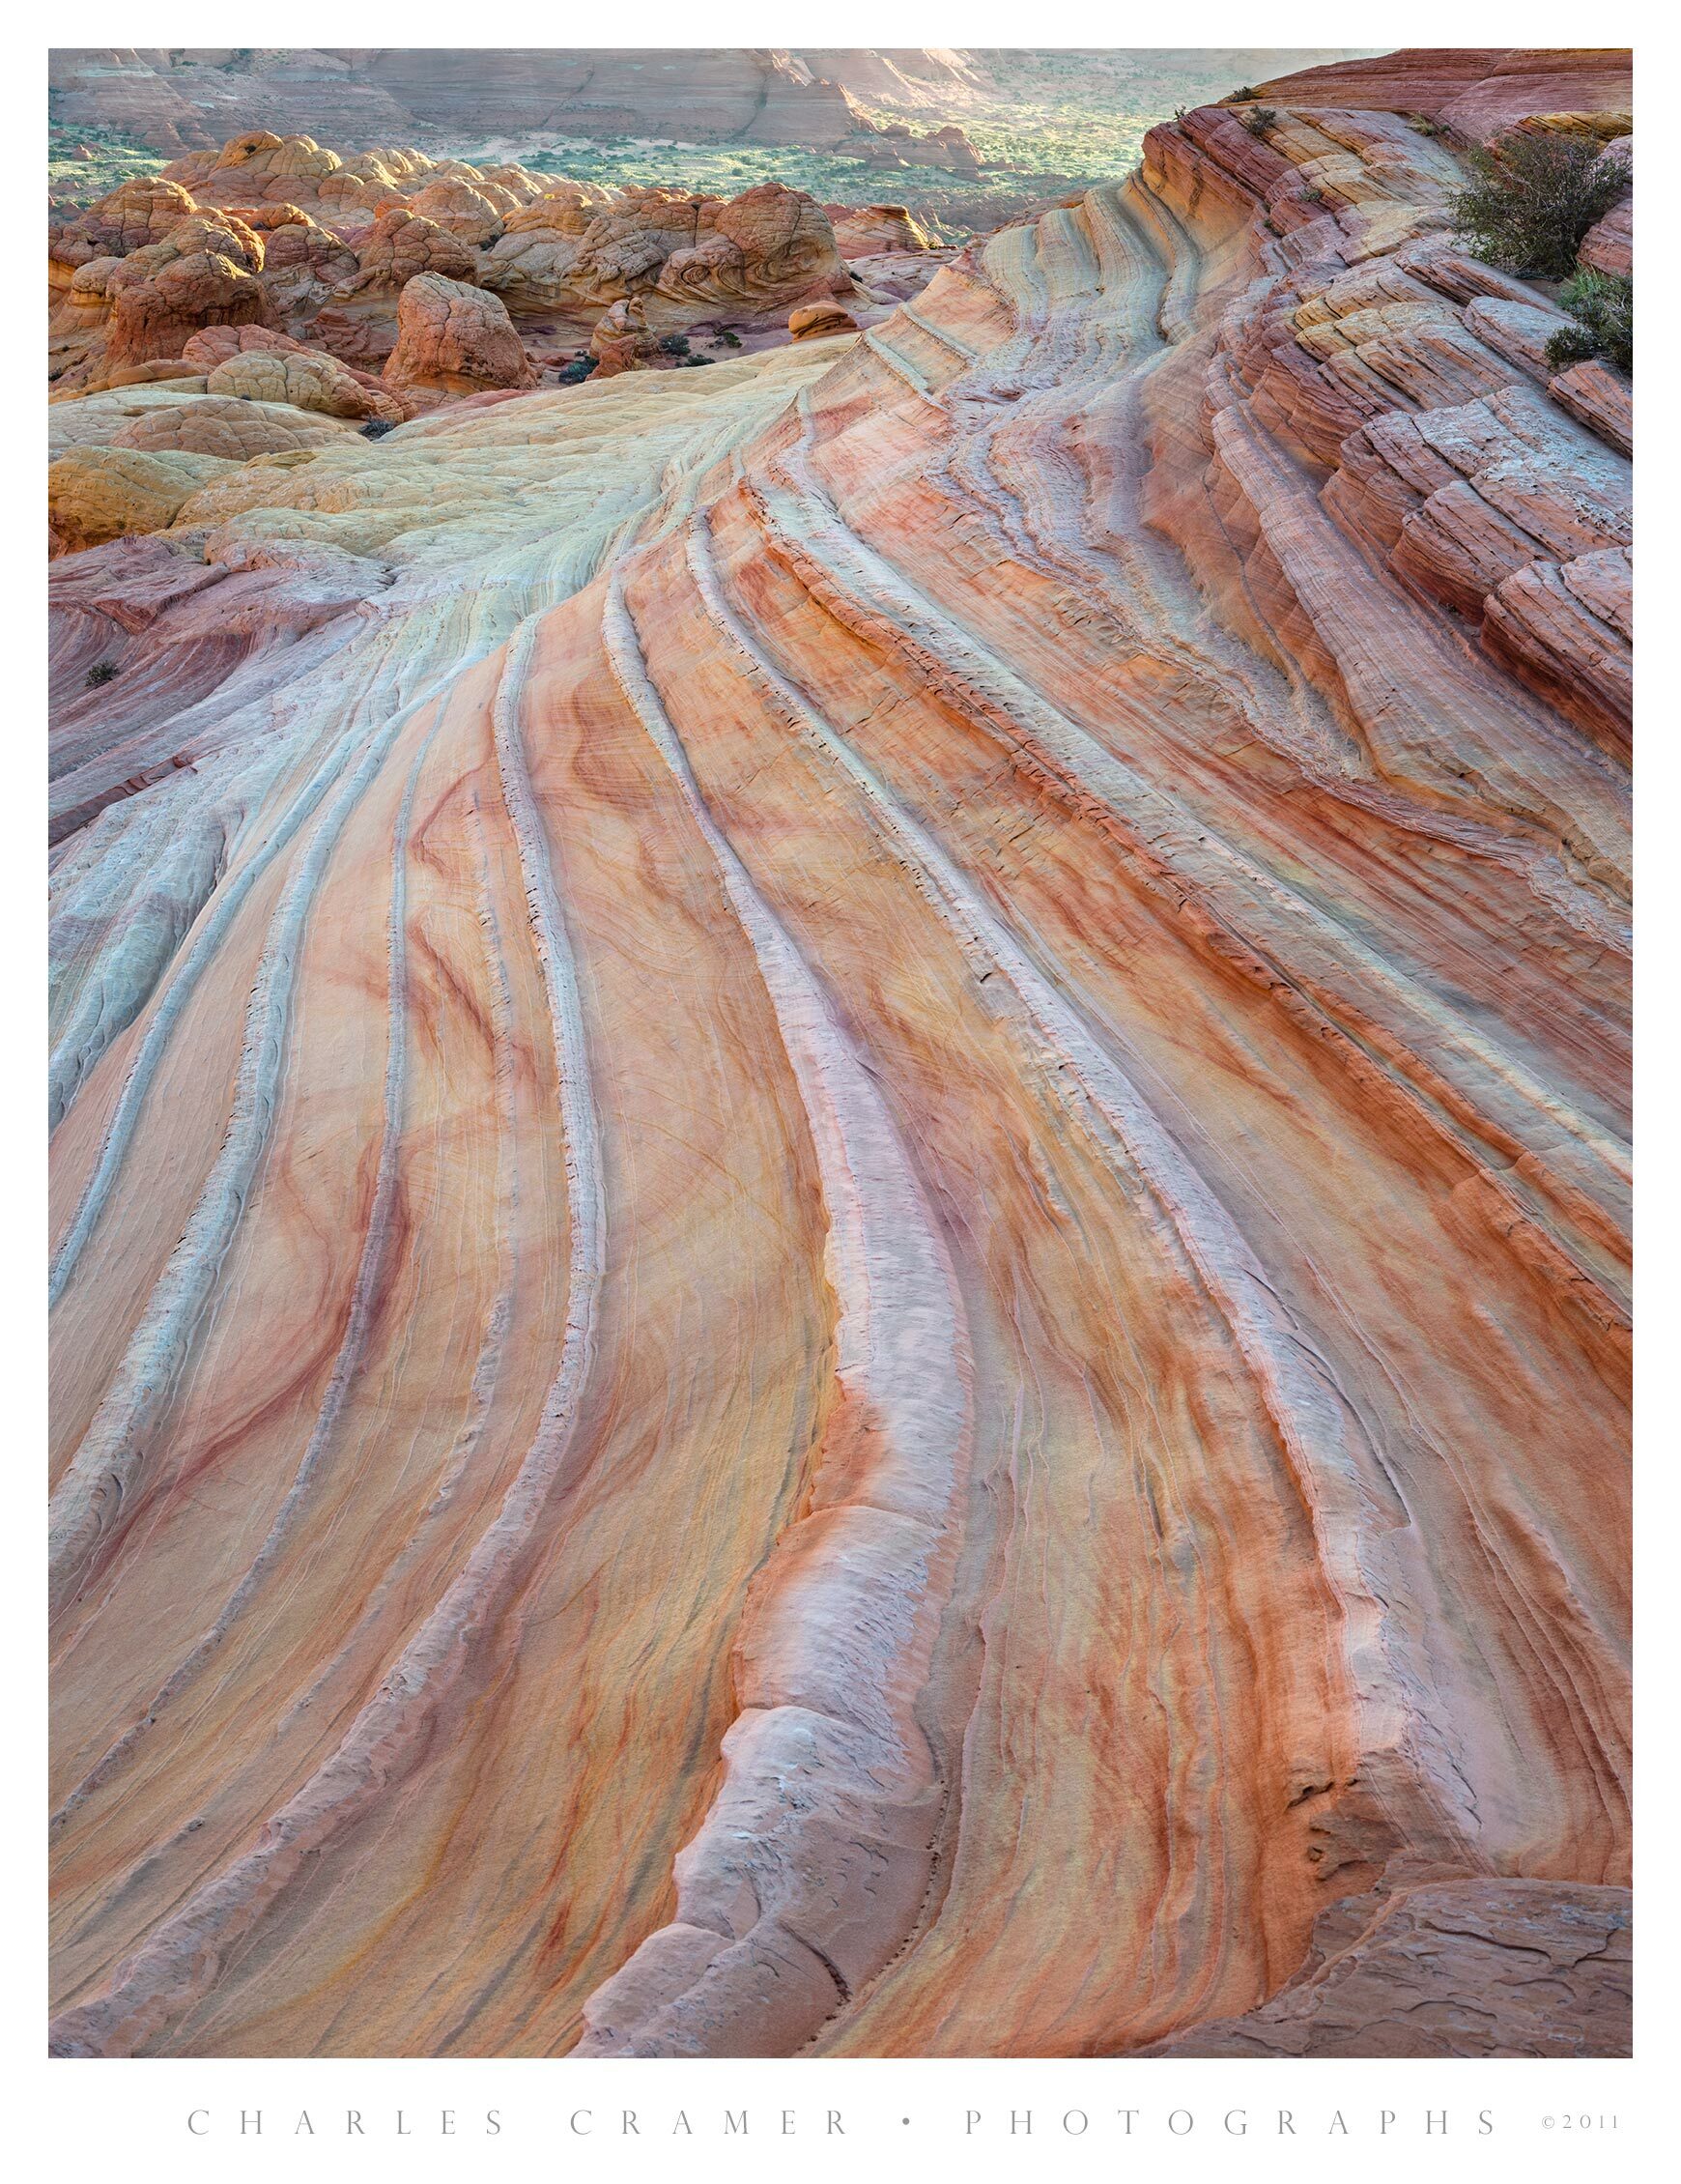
(1425, 127)
(673, 344)
(1311, 193)
(731, 338)
(98, 677)
(1571, 345)
(377, 428)
(576, 371)
(1533, 198)
(1259, 119)
(1603, 306)
(1242, 95)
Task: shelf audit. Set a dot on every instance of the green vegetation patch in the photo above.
(109, 162)
(1533, 195)
(1603, 306)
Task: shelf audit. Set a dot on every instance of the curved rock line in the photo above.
(91, 1493)
(96, 1000)
(181, 1960)
(1125, 578)
(823, 1816)
(1535, 1243)
(1331, 1458)
(1129, 577)
(186, 971)
(1183, 850)
(1361, 626)
(365, 1292)
(488, 1365)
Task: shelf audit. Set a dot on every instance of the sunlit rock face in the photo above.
(840, 1254)
(349, 253)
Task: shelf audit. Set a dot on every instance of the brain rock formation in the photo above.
(840, 1257)
(285, 234)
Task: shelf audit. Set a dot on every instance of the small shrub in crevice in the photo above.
(1533, 197)
(98, 677)
(1603, 306)
(673, 344)
(1425, 127)
(575, 373)
(377, 428)
(1242, 97)
(1259, 119)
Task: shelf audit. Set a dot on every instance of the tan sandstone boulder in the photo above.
(401, 246)
(94, 494)
(455, 339)
(235, 430)
(622, 341)
(815, 322)
(162, 294)
(307, 380)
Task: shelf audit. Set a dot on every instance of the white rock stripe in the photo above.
(840, 1634)
(92, 1490)
(181, 1960)
(1339, 1472)
(364, 1293)
(202, 950)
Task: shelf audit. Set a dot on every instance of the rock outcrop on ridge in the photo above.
(288, 235)
(841, 1247)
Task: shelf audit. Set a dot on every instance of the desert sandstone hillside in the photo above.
(841, 1255)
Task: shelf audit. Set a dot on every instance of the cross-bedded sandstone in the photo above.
(841, 1247)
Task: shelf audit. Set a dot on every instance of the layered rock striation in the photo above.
(840, 1243)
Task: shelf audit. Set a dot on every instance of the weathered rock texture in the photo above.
(840, 1254)
(285, 234)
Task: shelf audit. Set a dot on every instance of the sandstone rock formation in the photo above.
(322, 383)
(897, 145)
(287, 235)
(1476, 90)
(867, 231)
(622, 341)
(1412, 1970)
(234, 425)
(454, 339)
(401, 246)
(684, 256)
(1610, 244)
(841, 1244)
(815, 322)
(95, 494)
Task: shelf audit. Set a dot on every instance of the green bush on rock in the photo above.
(1533, 198)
